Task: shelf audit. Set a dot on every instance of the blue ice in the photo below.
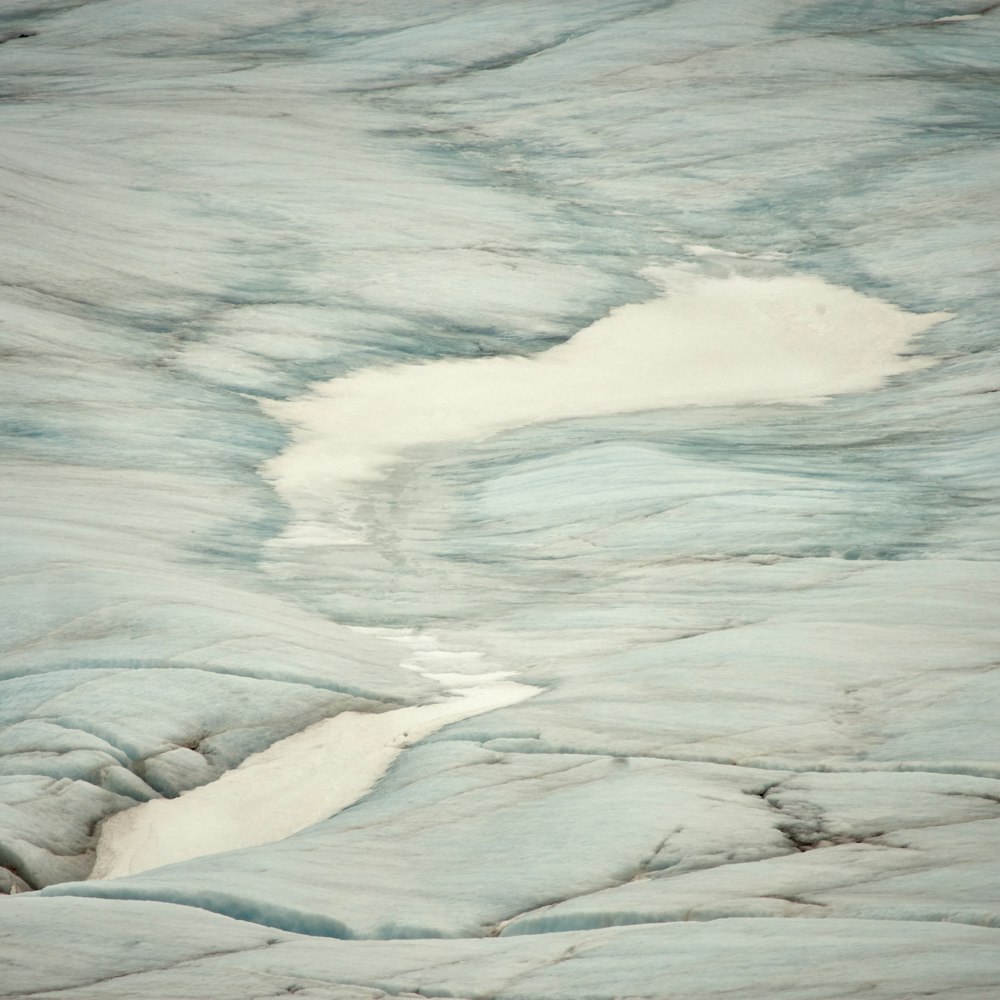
(357, 356)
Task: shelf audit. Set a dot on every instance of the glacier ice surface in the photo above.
(763, 756)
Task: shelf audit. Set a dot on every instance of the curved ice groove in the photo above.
(707, 341)
(296, 782)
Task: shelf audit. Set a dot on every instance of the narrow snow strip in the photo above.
(293, 784)
(706, 341)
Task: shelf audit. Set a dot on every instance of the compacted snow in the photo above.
(295, 783)
(501, 500)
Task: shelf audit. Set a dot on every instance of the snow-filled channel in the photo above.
(296, 782)
(708, 340)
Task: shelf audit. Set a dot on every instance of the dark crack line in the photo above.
(901, 767)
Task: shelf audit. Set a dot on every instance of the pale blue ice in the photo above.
(284, 290)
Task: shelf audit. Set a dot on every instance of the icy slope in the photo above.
(190, 953)
(641, 354)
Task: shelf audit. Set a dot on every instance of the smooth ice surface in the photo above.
(190, 953)
(359, 355)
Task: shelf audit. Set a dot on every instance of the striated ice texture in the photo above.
(500, 499)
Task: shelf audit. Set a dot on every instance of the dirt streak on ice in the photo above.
(297, 781)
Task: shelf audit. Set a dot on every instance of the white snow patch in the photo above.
(296, 782)
(707, 341)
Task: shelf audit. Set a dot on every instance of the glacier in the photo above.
(501, 499)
